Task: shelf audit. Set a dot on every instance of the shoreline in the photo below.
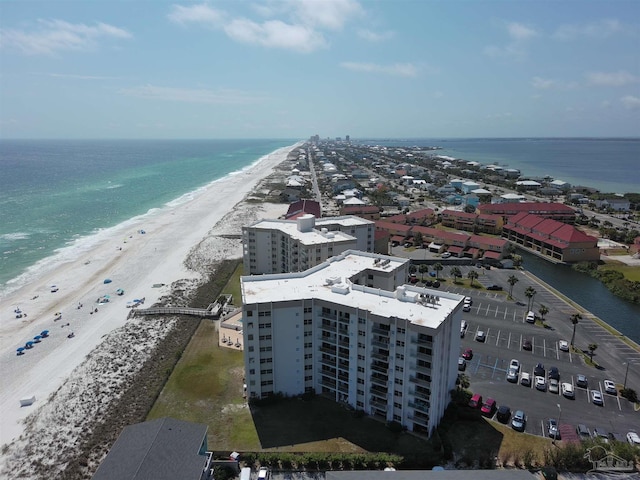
(137, 264)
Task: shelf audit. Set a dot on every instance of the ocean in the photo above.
(611, 165)
(59, 197)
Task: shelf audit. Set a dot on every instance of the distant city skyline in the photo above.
(293, 69)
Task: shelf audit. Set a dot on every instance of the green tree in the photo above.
(592, 348)
(417, 239)
(463, 381)
(438, 268)
(543, 310)
(575, 318)
(512, 280)
(455, 273)
(472, 275)
(424, 268)
(530, 293)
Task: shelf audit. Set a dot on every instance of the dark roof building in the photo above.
(162, 449)
(302, 207)
(555, 211)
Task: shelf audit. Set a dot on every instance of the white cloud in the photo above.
(398, 69)
(373, 37)
(201, 13)
(187, 95)
(518, 31)
(611, 79)
(542, 83)
(58, 35)
(602, 29)
(329, 14)
(630, 102)
(275, 33)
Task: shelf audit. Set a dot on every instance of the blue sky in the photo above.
(292, 69)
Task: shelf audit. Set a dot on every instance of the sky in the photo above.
(294, 68)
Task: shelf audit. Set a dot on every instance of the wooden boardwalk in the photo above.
(195, 312)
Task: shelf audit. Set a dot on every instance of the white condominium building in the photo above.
(352, 330)
(279, 246)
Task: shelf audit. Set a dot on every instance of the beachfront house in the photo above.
(351, 330)
(162, 449)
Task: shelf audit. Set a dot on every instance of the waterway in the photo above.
(588, 292)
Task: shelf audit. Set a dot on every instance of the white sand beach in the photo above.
(135, 262)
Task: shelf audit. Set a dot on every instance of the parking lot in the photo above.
(505, 331)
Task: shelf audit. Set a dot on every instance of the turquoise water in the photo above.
(60, 194)
(608, 164)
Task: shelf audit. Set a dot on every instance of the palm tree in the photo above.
(592, 348)
(455, 273)
(574, 320)
(463, 381)
(423, 269)
(530, 293)
(472, 275)
(543, 310)
(438, 267)
(512, 280)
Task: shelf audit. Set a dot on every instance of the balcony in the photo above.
(380, 367)
(420, 406)
(419, 381)
(374, 402)
(379, 380)
(382, 355)
(330, 362)
(420, 420)
(380, 331)
(331, 350)
(329, 315)
(380, 343)
(421, 369)
(328, 327)
(422, 343)
(420, 394)
(327, 382)
(379, 391)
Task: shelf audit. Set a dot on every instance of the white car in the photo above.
(480, 336)
(596, 397)
(512, 375)
(567, 390)
(263, 473)
(466, 307)
(468, 300)
(531, 317)
(610, 387)
(446, 255)
(540, 383)
(563, 345)
(514, 364)
(633, 438)
(525, 379)
(554, 386)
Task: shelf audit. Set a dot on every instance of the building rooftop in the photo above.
(330, 281)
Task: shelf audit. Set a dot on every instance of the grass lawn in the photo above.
(630, 272)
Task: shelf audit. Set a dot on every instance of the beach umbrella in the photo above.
(44, 333)
(37, 338)
(28, 345)
(20, 350)
(107, 280)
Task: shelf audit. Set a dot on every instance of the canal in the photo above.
(589, 292)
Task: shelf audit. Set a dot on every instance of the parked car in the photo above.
(540, 383)
(512, 375)
(567, 390)
(476, 401)
(531, 317)
(494, 287)
(462, 364)
(446, 254)
(467, 354)
(596, 397)
(633, 438)
(610, 387)
(581, 381)
(463, 328)
(554, 385)
(263, 474)
(601, 434)
(514, 363)
(436, 284)
(466, 307)
(552, 428)
(539, 370)
(583, 432)
(525, 379)
(488, 407)
(480, 336)
(503, 414)
(563, 345)
(554, 373)
(526, 345)
(519, 421)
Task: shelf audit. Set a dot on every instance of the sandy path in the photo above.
(157, 256)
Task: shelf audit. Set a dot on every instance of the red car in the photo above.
(488, 407)
(476, 401)
(468, 354)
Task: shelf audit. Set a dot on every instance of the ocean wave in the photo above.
(14, 236)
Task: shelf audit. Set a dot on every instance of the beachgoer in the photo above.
(96, 310)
